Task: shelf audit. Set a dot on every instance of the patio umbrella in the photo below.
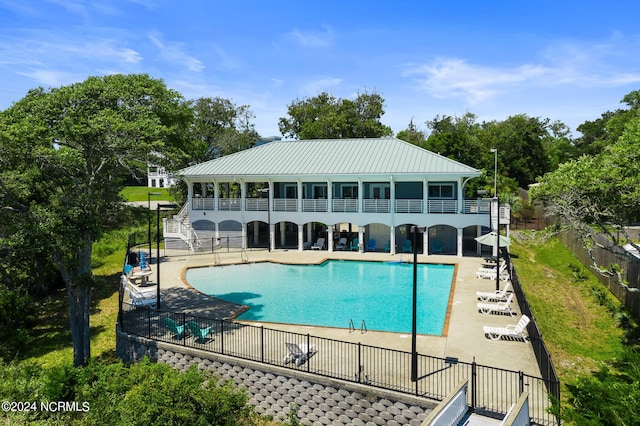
(490, 240)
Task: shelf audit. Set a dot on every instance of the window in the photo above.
(441, 190)
(350, 191)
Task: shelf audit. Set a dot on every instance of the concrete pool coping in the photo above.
(464, 340)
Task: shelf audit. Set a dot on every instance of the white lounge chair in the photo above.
(319, 245)
(490, 273)
(139, 296)
(517, 331)
(498, 295)
(502, 307)
(299, 353)
(342, 244)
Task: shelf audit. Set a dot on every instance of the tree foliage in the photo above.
(326, 117)
(66, 152)
(220, 128)
(142, 394)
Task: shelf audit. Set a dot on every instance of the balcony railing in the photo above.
(202, 203)
(285, 205)
(476, 207)
(409, 206)
(376, 206)
(315, 205)
(442, 206)
(229, 204)
(340, 205)
(256, 204)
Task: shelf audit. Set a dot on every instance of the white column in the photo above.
(329, 196)
(282, 234)
(460, 242)
(360, 239)
(392, 240)
(299, 195)
(300, 237)
(360, 195)
(216, 195)
(244, 235)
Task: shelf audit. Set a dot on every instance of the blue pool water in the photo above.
(333, 293)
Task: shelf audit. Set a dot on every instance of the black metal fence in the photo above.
(493, 390)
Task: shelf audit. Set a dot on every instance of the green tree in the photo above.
(521, 154)
(458, 138)
(326, 117)
(220, 128)
(597, 194)
(412, 134)
(69, 148)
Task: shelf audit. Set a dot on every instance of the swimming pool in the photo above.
(333, 293)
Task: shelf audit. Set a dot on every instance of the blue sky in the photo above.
(564, 60)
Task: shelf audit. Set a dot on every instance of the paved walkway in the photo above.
(464, 338)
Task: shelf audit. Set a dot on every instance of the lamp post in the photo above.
(496, 202)
(158, 250)
(414, 315)
(149, 194)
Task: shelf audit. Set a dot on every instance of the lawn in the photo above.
(141, 193)
(580, 333)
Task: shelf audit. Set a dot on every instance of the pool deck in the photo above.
(464, 338)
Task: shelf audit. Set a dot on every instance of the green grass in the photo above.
(141, 193)
(579, 331)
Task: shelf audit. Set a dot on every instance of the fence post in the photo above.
(359, 361)
(262, 343)
(222, 336)
(148, 322)
(521, 381)
(474, 379)
(184, 335)
(308, 351)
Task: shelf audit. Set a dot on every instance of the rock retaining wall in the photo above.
(274, 390)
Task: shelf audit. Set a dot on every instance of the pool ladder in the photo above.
(363, 327)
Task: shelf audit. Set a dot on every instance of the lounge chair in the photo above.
(490, 273)
(514, 331)
(436, 246)
(319, 245)
(198, 332)
(407, 247)
(342, 244)
(139, 296)
(354, 245)
(500, 307)
(371, 245)
(299, 353)
(177, 330)
(497, 296)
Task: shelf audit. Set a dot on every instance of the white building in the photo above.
(370, 191)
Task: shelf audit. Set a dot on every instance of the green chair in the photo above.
(387, 247)
(436, 246)
(177, 330)
(406, 247)
(354, 245)
(198, 332)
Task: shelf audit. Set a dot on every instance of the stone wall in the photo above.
(275, 390)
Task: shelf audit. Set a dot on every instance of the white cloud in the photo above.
(174, 52)
(52, 78)
(453, 77)
(311, 38)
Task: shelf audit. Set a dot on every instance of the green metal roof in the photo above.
(330, 158)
